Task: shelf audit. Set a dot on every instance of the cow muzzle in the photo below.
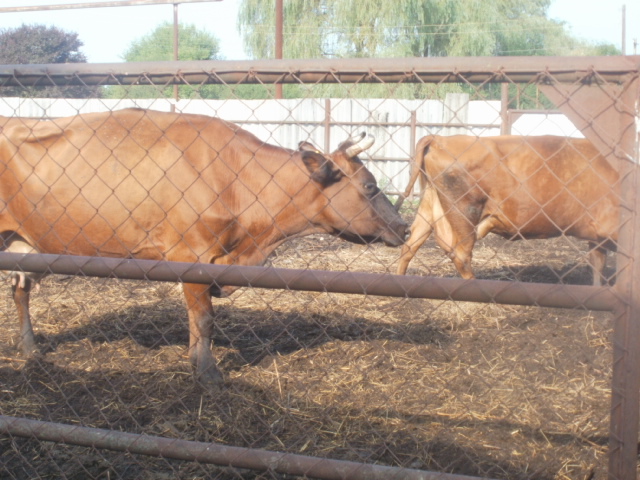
(397, 235)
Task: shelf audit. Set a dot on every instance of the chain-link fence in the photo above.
(324, 363)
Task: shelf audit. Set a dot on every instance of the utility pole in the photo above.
(175, 52)
(624, 29)
(279, 41)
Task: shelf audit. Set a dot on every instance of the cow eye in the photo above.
(370, 188)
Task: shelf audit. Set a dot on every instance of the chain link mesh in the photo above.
(462, 388)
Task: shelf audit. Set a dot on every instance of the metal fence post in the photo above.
(327, 125)
(625, 389)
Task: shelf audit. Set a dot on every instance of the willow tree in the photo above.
(400, 28)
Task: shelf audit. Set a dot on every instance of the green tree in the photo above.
(403, 28)
(193, 44)
(39, 44)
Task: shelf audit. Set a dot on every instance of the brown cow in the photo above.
(188, 188)
(517, 187)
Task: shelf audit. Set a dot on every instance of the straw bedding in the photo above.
(483, 390)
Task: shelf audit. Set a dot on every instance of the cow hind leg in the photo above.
(420, 233)
(22, 284)
(458, 240)
(461, 255)
(200, 311)
(21, 289)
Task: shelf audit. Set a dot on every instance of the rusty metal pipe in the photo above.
(579, 70)
(486, 291)
(213, 453)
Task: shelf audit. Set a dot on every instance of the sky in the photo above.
(600, 21)
(108, 32)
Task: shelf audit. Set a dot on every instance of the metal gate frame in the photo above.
(601, 95)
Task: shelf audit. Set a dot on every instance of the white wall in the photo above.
(287, 122)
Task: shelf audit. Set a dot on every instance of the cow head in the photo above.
(354, 207)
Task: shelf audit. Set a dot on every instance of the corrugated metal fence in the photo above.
(396, 124)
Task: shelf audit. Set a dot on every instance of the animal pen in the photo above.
(337, 368)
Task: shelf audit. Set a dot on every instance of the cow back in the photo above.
(530, 187)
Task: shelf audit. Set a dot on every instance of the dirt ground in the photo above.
(502, 392)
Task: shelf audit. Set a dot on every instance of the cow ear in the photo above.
(322, 169)
(307, 147)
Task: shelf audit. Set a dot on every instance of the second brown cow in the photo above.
(517, 187)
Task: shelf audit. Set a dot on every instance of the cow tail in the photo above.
(417, 170)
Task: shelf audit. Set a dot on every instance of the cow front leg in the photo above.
(200, 311)
(21, 288)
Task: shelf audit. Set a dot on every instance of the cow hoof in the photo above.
(222, 292)
(210, 378)
(28, 348)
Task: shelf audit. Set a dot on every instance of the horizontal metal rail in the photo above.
(115, 3)
(213, 453)
(370, 123)
(485, 291)
(580, 70)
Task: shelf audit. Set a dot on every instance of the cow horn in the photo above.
(365, 142)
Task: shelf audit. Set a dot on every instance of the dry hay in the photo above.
(474, 389)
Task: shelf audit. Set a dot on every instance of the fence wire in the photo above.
(326, 354)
